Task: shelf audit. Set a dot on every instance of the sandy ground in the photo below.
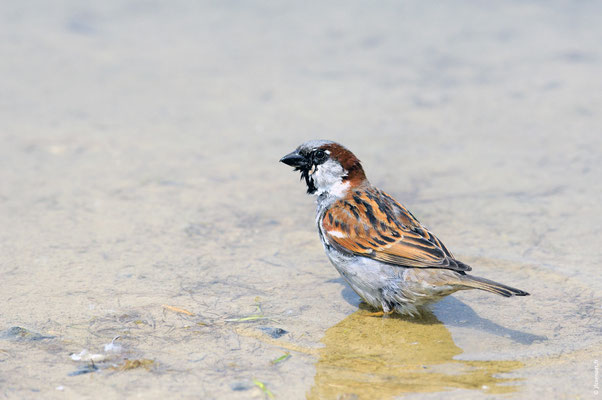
(141, 197)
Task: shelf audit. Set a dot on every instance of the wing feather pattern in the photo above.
(372, 224)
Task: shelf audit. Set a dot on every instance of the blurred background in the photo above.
(139, 169)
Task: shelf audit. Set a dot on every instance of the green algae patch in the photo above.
(282, 358)
(263, 388)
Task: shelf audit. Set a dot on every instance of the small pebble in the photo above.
(273, 332)
(84, 355)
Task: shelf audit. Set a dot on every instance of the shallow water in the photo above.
(142, 204)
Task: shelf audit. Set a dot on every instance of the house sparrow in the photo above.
(387, 257)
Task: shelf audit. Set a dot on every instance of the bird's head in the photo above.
(327, 167)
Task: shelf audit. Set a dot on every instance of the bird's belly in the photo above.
(391, 287)
(368, 278)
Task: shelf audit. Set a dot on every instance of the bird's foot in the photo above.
(379, 313)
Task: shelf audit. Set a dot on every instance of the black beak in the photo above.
(294, 159)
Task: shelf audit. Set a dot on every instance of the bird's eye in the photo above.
(319, 155)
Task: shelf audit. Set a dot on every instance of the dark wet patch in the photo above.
(22, 334)
(240, 386)
(370, 42)
(86, 369)
(82, 24)
(576, 56)
(197, 229)
(273, 332)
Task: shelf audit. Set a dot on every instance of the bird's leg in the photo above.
(379, 313)
(386, 311)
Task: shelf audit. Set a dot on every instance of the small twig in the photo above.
(177, 310)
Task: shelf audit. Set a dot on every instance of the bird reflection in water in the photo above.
(367, 358)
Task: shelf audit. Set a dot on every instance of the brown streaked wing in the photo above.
(371, 224)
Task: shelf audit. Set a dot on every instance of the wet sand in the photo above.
(146, 220)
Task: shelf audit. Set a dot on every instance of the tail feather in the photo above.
(491, 286)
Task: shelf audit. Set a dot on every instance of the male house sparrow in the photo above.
(377, 245)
